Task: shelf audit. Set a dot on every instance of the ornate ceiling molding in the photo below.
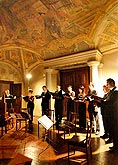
(55, 33)
(75, 59)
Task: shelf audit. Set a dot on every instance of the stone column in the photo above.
(49, 78)
(101, 93)
(100, 71)
(94, 77)
(51, 83)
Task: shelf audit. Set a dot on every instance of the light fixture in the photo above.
(29, 76)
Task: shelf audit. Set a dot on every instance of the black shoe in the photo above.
(104, 136)
(109, 141)
(111, 148)
(93, 130)
(97, 132)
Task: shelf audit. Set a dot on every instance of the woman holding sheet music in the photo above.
(70, 96)
(30, 103)
(81, 107)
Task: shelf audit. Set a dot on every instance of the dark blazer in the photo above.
(112, 105)
(58, 96)
(45, 100)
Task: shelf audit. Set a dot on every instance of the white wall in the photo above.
(37, 81)
(110, 67)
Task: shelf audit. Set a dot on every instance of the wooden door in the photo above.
(74, 77)
(15, 90)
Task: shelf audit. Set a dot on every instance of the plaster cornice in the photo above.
(74, 59)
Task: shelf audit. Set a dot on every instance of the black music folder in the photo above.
(26, 98)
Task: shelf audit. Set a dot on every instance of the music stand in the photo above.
(45, 121)
(47, 124)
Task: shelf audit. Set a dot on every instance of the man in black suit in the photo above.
(105, 113)
(58, 96)
(45, 95)
(111, 103)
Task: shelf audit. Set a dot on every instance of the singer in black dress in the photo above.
(82, 107)
(30, 103)
(8, 99)
(70, 96)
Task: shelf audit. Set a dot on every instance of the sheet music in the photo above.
(45, 121)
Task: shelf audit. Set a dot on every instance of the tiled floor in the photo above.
(51, 150)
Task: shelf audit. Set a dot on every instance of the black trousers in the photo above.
(70, 108)
(82, 115)
(45, 109)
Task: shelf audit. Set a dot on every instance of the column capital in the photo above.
(100, 66)
(93, 63)
(49, 70)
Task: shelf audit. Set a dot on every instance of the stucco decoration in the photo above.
(9, 73)
(33, 31)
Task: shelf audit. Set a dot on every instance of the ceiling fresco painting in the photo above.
(39, 30)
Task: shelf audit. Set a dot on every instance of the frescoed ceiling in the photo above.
(33, 31)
